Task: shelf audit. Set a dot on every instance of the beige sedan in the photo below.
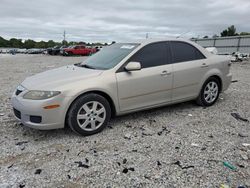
(120, 79)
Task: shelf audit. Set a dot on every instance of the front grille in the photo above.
(18, 92)
(17, 113)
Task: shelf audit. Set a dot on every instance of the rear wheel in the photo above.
(89, 114)
(209, 92)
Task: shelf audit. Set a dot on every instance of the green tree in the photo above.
(50, 43)
(4, 42)
(16, 43)
(29, 44)
(244, 33)
(230, 31)
(41, 44)
(64, 43)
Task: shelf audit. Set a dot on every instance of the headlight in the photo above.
(40, 95)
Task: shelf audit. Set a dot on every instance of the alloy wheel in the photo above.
(91, 116)
(211, 92)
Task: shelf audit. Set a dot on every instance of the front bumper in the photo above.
(25, 109)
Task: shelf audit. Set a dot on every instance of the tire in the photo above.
(69, 54)
(89, 114)
(209, 93)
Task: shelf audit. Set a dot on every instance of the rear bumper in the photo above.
(227, 81)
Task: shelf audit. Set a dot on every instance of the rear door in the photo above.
(189, 67)
(152, 84)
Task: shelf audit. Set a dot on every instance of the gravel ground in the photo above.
(182, 145)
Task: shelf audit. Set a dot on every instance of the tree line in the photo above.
(19, 43)
(230, 31)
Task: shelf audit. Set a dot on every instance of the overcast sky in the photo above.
(119, 20)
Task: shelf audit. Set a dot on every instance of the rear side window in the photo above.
(152, 55)
(182, 52)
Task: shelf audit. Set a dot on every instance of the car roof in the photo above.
(144, 42)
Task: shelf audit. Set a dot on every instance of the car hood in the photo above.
(52, 79)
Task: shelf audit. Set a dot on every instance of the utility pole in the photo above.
(64, 36)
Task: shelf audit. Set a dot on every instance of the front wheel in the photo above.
(89, 114)
(209, 92)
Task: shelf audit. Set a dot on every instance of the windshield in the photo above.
(109, 56)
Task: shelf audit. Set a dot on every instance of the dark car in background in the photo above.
(55, 50)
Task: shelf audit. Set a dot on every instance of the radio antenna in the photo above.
(183, 34)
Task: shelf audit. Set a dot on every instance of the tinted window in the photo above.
(182, 51)
(152, 55)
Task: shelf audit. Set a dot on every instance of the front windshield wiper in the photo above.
(84, 65)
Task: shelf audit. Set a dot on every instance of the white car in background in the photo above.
(120, 79)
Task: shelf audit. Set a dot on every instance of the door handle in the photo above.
(204, 65)
(165, 73)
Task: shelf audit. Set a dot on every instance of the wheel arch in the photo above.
(219, 79)
(102, 93)
(213, 73)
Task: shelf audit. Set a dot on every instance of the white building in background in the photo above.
(226, 44)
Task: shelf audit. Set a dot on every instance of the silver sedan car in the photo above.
(120, 79)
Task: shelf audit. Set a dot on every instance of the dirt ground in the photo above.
(182, 145)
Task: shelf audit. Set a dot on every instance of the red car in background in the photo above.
(79, 50)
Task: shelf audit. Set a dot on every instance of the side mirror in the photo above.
(133, 66)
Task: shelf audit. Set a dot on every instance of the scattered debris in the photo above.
(203, 148)
(147, 132)
(178, 163)
(21, 143)
(245, 144)
(80, 164)
(131, 169)
(127, 136)
(238, 117)
(38, 171)
(234, 81)
(158, 163)
(240, 165)
(164, 129)
(195, 145)
(210, 136)
(86, 160)
(125, 171)
(224, 186)
(242, 135)
(228, 165)
(10, 166)
(22, 185)
(244, 156)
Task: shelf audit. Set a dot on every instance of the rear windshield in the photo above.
(110, 56)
